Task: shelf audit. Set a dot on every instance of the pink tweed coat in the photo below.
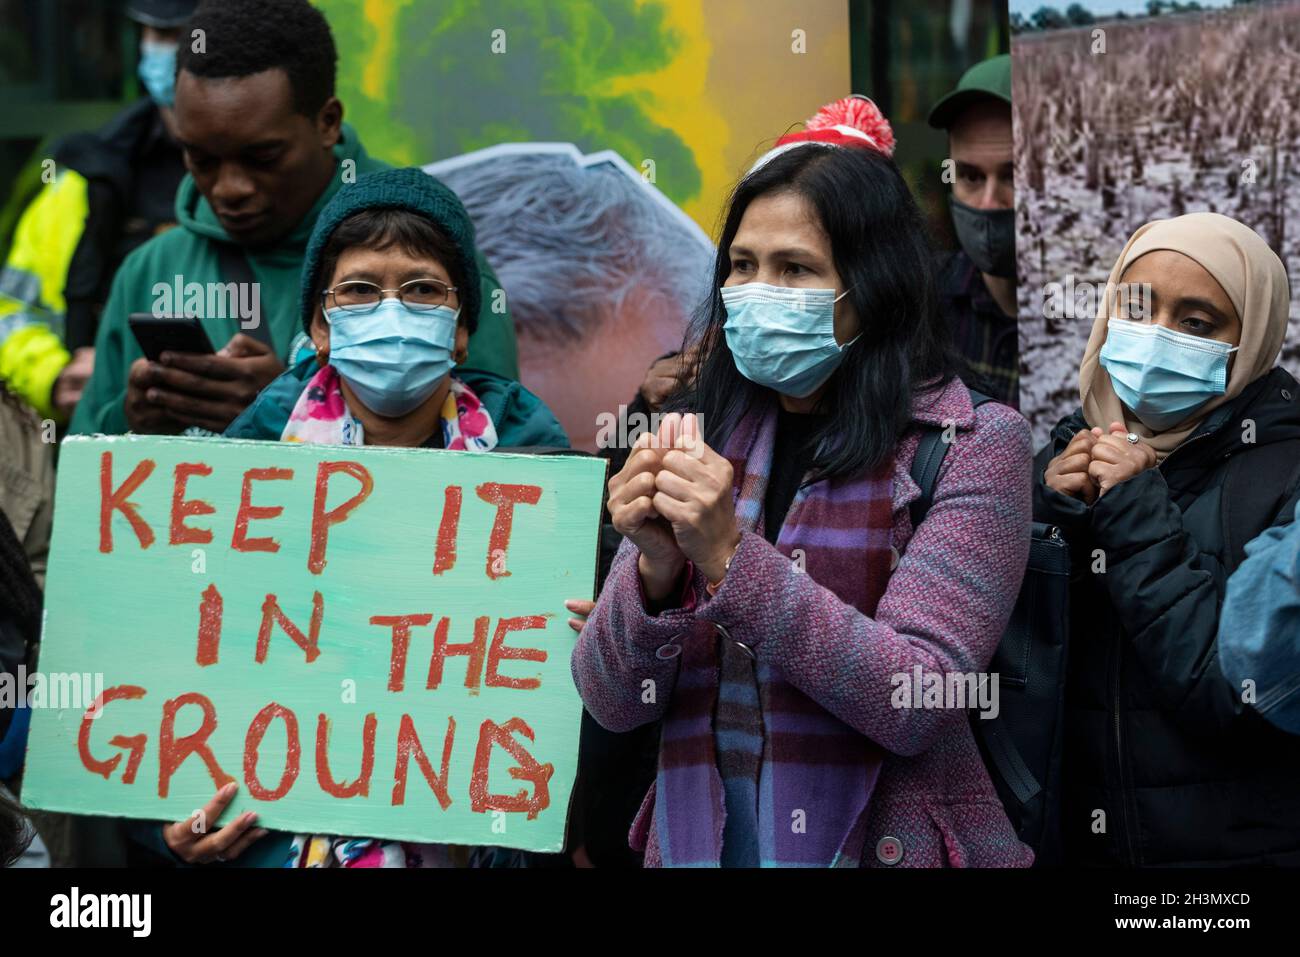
(945, 607)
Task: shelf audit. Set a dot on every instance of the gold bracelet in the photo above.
(712, 587)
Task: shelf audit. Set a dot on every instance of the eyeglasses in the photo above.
(360, 297)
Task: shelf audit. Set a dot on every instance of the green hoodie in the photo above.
(190, 251)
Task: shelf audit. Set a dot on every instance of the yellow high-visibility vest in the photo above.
(32, 281)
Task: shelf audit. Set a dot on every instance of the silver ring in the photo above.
(220, 859)
(1132, 438)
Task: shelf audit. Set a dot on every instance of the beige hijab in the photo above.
(1249, 272)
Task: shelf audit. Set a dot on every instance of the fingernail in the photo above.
(571, 605)
(165, 358)
(251, 817)
(229, 788)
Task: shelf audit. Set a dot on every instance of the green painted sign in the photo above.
(372, 642)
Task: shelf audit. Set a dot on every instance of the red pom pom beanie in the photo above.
(854, 121)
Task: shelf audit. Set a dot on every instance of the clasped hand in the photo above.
(673, 500)
(1094, 463)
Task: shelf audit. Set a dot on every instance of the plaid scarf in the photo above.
(816, 774)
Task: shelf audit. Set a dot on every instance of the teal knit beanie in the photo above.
(411, 189)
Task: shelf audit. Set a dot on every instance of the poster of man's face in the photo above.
(601, 270)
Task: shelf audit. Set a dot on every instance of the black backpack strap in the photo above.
(1008, 763)
(930, 452)
(234, 267)
(993, 735)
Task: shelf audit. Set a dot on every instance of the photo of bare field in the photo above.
(1124, 121)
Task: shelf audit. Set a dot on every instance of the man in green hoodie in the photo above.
(266, 148)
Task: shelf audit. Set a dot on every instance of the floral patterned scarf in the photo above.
(321, 417)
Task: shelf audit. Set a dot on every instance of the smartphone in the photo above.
(159, 334)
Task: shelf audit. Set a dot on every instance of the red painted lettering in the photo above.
(408, 746)
(110, 500)
(361, 786)
(526, 769)
(505, 498)
(240, 542)
(210, 609)
(498, 651)
(475, 650)
(401, 625)
(172, 750)
(292, 757)
(444, 557)
(308, 643)
(134, 744)
(182, 534)
(321, 520)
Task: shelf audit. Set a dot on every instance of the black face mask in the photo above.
(988, 237)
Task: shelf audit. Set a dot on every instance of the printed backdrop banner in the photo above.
(1133, 112)
(371, 642)
(698, 88)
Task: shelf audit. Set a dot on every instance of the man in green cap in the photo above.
(266, 148)
(978, 282)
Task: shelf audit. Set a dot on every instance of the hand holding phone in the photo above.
(159, 334)
(209, 391)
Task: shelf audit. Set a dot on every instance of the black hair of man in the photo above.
(244, 37)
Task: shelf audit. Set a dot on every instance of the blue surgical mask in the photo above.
(158, 71)
(1162, 375)
(783, 338)
(393, 358)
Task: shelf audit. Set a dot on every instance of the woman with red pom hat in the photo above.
(852, 121)
(773, 603)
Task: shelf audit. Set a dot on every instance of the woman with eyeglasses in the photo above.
(390, 299)
(1185, 447)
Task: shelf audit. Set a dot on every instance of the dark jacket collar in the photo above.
(1267, 411)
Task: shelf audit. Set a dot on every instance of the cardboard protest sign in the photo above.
(372, 642)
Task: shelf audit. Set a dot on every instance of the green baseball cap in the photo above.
(988, 78)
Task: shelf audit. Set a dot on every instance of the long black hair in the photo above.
(882, 252)
(15, 831)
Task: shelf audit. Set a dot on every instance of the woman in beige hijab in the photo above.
(1186, 446)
